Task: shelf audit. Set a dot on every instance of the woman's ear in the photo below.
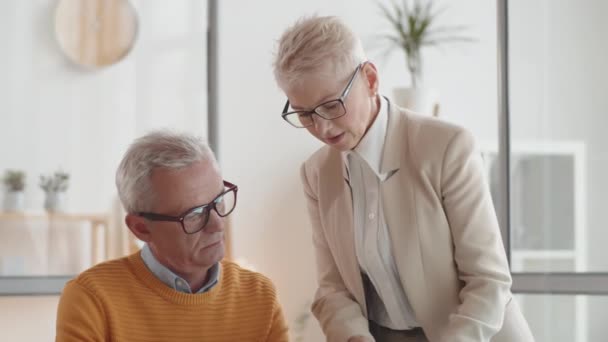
(371, 77)
(138, 226)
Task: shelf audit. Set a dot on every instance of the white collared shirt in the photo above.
(171, 279)
(386, 299)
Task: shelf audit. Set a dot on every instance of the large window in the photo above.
(548, 175)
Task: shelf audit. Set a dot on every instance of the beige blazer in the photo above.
(445, 237)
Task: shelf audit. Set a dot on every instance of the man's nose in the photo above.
(215, 223)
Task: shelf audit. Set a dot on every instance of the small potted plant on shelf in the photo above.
(54, 187)
(412, 27)
(14, 184)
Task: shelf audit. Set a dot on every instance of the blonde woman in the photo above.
(407, 243)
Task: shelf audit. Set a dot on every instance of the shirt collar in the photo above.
(171, 279)
(371, 146)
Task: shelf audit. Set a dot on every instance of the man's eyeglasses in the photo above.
(195, 219)
(329, 110)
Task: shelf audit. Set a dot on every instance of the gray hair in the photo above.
(157, 149)
(319, 45)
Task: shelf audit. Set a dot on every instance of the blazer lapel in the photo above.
(400, 214)
(342, 235)
(393, 146)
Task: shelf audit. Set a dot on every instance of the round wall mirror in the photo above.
(96, 33)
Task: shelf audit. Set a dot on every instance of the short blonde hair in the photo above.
(157, 149)
(323, 46)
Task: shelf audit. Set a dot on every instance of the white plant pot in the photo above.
(423, 101)
(13, 201)
(54, 201)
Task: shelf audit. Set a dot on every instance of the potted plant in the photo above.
(54, 187)
(413, 26)
(14, 184)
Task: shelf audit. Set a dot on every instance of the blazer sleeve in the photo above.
(338, 313)
(478, 249)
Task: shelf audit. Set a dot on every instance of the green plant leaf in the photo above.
(387, 14)
(414, 26)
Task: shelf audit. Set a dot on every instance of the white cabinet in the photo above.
(548, 220)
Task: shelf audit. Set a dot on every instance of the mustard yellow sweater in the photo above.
(121, 300)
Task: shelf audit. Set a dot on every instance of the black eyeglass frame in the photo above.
(205, 207)
(341, 100)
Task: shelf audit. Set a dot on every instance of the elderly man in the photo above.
(176, 288)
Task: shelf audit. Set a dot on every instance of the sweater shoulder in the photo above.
(104, 274)
(235, 276)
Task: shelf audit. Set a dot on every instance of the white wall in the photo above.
(55, 114)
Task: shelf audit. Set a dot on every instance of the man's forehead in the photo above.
(198, 182)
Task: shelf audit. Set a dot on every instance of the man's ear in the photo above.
(138, 226)
(371, 78)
